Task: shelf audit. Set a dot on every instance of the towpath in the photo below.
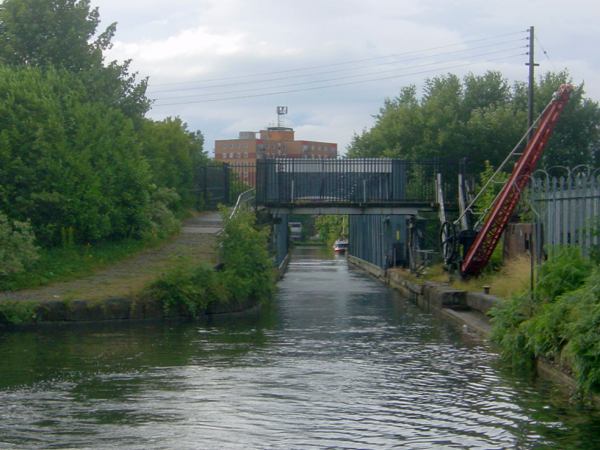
(195, 243)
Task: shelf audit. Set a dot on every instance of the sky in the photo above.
(223, 66)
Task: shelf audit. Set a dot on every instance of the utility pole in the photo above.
(531, 65)
(530, 104)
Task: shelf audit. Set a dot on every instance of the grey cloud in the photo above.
(216, 39)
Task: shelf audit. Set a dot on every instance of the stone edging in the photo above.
(114, 309)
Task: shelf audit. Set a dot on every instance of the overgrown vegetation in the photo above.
(560, 323)
(79, 161)
(17, 312)
(17, 248)
(246, 273)
(510, 278)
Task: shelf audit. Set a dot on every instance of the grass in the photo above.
(68, 263)
(511, 278)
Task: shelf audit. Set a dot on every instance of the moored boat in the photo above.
(340, 246)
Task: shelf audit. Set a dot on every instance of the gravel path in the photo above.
(195, 243)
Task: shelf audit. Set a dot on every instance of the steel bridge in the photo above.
(382, 197)
(350, 186)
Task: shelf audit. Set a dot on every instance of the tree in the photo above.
(331, 228)
(576, 138)
(77, 157)
(480, 118)
(67, 163)
(397, 132)
(174, 154)
(62, 34)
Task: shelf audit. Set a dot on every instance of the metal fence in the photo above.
(362, 181)
(569, 209)
(222, 183)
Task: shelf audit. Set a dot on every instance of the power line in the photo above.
(305, 68)
(241, 97)
(543, 49)
(333, 79)
(387, 63)
(554, 68)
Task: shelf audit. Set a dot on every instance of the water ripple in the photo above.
(342, 362)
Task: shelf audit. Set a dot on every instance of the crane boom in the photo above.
(483, 246)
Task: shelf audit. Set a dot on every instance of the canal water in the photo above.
(338, 361)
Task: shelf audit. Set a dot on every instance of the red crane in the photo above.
(487, 238)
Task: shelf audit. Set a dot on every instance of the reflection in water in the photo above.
(337, 361)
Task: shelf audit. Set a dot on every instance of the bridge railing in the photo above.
(364, 181)
(222, 183)
(245, 201)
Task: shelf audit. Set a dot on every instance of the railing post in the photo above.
(292, 192)
(226, 190)
(202, 188)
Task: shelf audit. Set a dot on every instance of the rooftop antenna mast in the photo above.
(281, 112)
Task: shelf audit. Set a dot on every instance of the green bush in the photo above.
(247, 272)
(561, 323)
(565, 270)
(17, 248)
(247, 264)
(507, 330)
(160, 214)
(17, 312)
(582, 333)
(187, 290)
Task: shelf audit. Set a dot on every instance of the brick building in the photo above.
(274, 142)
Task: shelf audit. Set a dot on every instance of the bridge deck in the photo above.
(350, 186)
(314, 208)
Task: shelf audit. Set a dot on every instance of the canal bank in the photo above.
(153, 285)
(467, 309)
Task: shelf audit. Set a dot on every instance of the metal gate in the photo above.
(213, 186)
